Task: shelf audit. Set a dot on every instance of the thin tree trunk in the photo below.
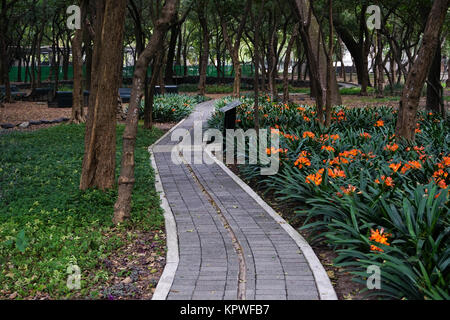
(122, 208)
(148, 109)
(330, 69)
(287, 60)
(434, 87)
(407, 116)
(78, 98)
(204, 57)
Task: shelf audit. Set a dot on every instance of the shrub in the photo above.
(172, 107)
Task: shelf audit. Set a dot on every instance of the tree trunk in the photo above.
(314, 46)
(148, 109)
(204, 57)
(379, 70)
(99, 162)
(175, 29)
(330, 69)
(406, 123)
(434, 87)
(122, 208)
(78, 98)
(256, 59)
(287, 60)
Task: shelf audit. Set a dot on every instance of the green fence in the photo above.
(47, 72)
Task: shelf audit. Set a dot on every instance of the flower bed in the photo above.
(376, 201)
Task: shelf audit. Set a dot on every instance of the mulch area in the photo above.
(341, 279)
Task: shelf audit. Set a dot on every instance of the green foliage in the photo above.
(172, 107)
(342, 211)
(47, 223)
(354, 91)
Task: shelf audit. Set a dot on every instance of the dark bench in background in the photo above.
(15, 92)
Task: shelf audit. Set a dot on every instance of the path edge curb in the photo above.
(323, 282)
(172, 256)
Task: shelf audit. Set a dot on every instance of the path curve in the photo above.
(224, 241)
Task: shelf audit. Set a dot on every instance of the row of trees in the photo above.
(269, 33)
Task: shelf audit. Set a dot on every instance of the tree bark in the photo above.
(287, 60)
(148, 109)
(234, 48)
(99, 161)
(407, 116)
(434, 87)
(122, 208)
(204, 57)
(314, 46)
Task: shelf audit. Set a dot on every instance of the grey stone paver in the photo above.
(208, 266)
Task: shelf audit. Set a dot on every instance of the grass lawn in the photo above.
(47, 223)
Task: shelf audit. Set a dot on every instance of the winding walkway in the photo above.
(224, 242)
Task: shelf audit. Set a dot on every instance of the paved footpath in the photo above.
(229, 246)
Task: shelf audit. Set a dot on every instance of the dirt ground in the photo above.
(24, 111)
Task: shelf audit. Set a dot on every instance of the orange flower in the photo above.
(387, 181)
(266, 116)
(306, 119)
(302, 161)
(308, 134)
(335, 173)
(335, 137)
(315, 178)
(392, 148)
(366, 135)
(379, 237)
(442, 184)
(379, 123)
(395, 167)
(348, 191)
(328, 148)
(415, 164)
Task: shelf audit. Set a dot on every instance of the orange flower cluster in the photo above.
(276, 130)
(348, 191)
(379, 237)
(340, 116)
(393, 147)
(328, 148)
(315, 178)
(388, 181)
(395, 166)
(302, 160)
(411, 165)
(275, 151)
(308, 134)
(325, 137)
(365, 135)
(445, 163)
(379, 123)
(336, 173)
(439, 177)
